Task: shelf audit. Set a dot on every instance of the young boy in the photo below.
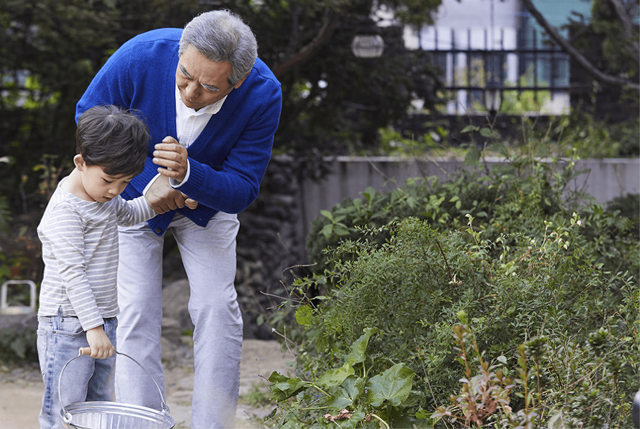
(78, 298)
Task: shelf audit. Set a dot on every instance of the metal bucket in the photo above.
(114, 415)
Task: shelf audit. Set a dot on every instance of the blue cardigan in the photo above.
(228, 159)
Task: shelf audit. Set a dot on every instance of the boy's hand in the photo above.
(162, 197)
(101, 347)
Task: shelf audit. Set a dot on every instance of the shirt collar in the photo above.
(211, 109)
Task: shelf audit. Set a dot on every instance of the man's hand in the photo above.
(189, 202)
(173, 156)
(101, 347)
(162, 197)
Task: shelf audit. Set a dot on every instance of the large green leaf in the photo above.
(284, 387)
(344, 395)
(393, 385)
(336, 376)
(358, 348)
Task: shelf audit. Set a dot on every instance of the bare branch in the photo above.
(329, 24)
(627, 23)
(575, 54)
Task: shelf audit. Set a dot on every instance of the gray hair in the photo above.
(221, 36)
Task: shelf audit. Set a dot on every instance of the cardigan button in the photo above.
(158, 230)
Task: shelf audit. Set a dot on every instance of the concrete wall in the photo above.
(605, 180)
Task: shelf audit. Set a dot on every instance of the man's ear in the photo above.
(78, 160)
(239, 84)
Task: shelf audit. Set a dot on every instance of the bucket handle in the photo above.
(84, 352)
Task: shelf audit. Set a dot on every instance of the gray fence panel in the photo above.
(350, 176)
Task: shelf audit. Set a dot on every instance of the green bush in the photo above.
(596, 399)
(377, 349)
(18, 346)
(629, 207)
(626, 134)
(546, 278)
(512, 197)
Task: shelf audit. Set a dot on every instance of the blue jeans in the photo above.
(85, 379)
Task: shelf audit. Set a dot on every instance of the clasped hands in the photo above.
(161, 196)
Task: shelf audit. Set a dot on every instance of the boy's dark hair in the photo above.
(113, 138)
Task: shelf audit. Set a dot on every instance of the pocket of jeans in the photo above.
(110, 325)
(70, 326)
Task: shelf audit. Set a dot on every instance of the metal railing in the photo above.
(543, 69)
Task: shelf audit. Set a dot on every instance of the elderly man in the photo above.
(212, 108)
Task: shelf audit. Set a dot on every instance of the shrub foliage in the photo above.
(484, 302)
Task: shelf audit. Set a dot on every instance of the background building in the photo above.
(480, 43)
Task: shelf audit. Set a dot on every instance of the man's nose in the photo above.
(191, 90)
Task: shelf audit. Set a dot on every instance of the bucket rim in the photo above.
(107, 407)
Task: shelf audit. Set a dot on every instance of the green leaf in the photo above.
(336, 376)
(326, 214)
(393, 385)
(486, 132)
(344, 395)
(327, 230)
(473, 156)
(369, 193)
(341, 229)
(555, 422)
(322, 343)
(422, 414)
(304, 315)
(284, 387)
(359, 347)
(407, 421)
(468, 129)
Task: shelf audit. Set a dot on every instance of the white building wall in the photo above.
(474, 24)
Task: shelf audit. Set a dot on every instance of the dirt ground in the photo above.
(21, 389)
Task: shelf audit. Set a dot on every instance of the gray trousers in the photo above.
(209, 258)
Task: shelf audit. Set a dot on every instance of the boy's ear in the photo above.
(78, 160)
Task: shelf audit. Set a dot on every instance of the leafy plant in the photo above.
(586, 395)
(18, 346)
(355, 392)
(405, 295)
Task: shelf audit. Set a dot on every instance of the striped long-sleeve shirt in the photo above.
(80, 252)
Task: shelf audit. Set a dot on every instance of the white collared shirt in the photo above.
(189, 122)
(189, 125)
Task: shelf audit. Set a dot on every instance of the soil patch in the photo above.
(21, 388)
